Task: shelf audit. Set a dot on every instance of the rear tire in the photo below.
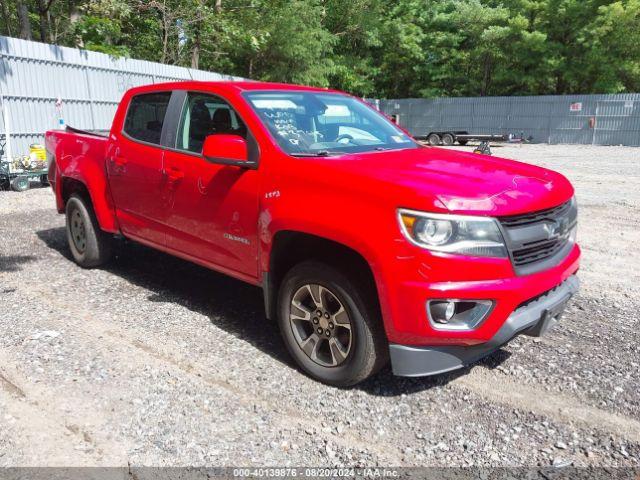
(89, 245)
(340, 355)
(20, 183)
(448, 139)
(434, 139)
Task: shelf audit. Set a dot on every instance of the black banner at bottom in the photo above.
(204, 473)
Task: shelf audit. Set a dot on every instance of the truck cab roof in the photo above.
(226, 85)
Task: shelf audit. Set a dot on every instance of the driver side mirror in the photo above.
(226, 149)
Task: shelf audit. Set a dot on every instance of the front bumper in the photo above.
(534, 317)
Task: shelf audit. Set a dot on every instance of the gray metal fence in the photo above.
(34, 76)
(584, 119)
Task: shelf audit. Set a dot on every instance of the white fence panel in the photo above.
(33, 76)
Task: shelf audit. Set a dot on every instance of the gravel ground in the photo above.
(155, 361)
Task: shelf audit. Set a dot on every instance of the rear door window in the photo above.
(145, 116)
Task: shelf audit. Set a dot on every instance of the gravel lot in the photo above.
(154, 361)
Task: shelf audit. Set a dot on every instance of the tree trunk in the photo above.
(6, 17)
(560, 86)
(44, 20)
(74, 12)
(44, 11)
(486, 77)
(23, 20)
(165, 42)
(74, 18)
(218, 6)
(195, 52)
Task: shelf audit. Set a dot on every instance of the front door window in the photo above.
(205, 115)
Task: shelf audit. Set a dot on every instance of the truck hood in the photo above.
(461, 182)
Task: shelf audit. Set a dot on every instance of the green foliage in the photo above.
(384, 48)
(614, 59)
(297, 50)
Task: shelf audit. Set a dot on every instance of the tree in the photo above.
(357, 28)
(44, 11)
(283, 40)
(381, 48)
(614, 59)
(99, 26)
(23, 20)
(6, 17)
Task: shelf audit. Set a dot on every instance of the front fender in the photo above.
(270, 225)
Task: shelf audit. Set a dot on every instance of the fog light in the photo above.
(457, 314)
(451, 309)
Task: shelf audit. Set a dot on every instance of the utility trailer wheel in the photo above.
(20, 183)
(434, 139)
(90, 246)
(330, 325)
(448, 139)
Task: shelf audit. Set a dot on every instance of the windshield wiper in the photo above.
(319, 153)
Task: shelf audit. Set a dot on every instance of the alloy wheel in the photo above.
(321, 325)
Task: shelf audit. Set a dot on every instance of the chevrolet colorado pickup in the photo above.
(369, 247)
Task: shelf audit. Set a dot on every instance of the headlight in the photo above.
(573, 234)
(463, 235)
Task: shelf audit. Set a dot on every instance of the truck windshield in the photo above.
(325, 124)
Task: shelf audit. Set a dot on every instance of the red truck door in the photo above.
(214, 207)
(134, 166)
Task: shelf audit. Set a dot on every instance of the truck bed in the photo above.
(74, 144)
(94, 133)
(77, 154)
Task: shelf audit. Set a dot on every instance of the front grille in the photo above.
(539, 252)
(529, 218)
(539, 240)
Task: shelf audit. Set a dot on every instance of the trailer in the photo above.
(16, 174)
(449, 137)
(19, 180)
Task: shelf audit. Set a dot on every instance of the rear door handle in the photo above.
(118, 163)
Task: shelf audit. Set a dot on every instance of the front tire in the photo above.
(330, 325)
(90, 246)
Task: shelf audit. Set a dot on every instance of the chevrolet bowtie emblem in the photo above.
(552, 230)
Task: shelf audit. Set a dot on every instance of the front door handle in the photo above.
(173, 175)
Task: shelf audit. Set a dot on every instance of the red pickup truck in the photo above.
(369, 246)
